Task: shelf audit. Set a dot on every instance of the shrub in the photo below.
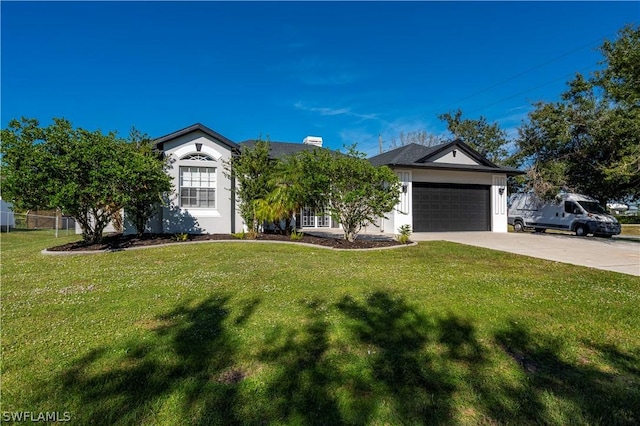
(182, 237)
(297, 236)
(629, 220)
(404, 233)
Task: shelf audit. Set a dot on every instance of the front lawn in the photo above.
(226, 333)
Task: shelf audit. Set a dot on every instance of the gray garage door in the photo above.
(448, 207)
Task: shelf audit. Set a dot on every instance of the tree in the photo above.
(588, 141)
(353, 190)
(420, 137)
(488, 139)
(87, 175)
(252, 171)
(287, 195)
(24, 173)
(146, 180)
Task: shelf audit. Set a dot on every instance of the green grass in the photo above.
(633, 230)
(236, 332)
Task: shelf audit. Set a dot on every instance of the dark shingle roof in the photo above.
(419, 156)
(195, 127)
(279, 150)
(407, 154)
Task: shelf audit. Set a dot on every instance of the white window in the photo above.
(198, 187)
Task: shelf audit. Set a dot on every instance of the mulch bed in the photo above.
(120, 241)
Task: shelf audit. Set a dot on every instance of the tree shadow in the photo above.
(302, 388)
(176, 219)
(127, 388)
(595, 394)
(406, 375)
(378, 360)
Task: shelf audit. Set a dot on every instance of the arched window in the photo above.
(197, 157)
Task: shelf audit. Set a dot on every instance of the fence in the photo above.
(59, 225)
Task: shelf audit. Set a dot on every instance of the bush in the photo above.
(296, 236)
(629, 220)
(404, 233)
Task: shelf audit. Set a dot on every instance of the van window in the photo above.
(571, 207)
(592, 207)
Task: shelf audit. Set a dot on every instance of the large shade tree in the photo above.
(145, 181)
(486, 138)
(86, 174)
(589, 140)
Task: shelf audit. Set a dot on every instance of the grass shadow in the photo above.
(188, 361)
(358, 361)
(583, 391)
(405, 375)
(302, 387)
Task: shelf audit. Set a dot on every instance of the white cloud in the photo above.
(329, 111)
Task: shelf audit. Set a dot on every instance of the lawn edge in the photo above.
(81, 252)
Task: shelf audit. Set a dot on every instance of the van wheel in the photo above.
(518, 226)
(581, 231)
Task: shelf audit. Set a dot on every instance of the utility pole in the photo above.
(380, 143)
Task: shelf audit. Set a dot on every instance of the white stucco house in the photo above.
(202, 201)
(448, 187)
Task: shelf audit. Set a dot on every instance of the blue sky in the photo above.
(343, 71)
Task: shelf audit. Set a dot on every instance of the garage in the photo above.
(451, 207)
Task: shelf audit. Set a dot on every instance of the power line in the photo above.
(564, 55)
(513, 77)
(531, 89)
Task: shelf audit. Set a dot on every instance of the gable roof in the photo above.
(159, 143)
(279, 150)
(419, 156)
(407, 154)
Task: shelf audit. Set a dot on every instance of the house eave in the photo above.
(457, 167)
(159, 142)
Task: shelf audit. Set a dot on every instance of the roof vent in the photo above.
(313, 140)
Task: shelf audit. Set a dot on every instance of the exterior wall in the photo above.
(401, 213)
(499, 204)
(216, 220)
(399, 216)
(108, 229)
(459, 158)
(154, 224)
(7, 219)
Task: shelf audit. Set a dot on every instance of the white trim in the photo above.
(499, 204)
(403, 211)
(197, 212)
(191, 149)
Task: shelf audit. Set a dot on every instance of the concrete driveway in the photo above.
(611, 255)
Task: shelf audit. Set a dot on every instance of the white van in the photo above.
(569, 212)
